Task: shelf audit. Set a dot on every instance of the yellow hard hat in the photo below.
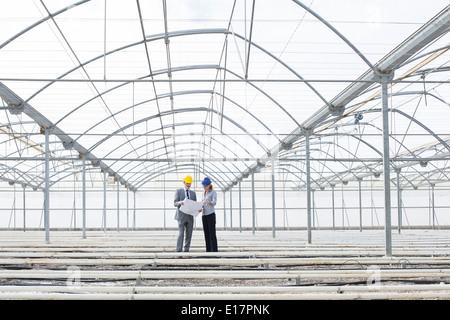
(188, 179)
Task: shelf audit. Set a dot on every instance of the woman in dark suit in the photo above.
(209, 215)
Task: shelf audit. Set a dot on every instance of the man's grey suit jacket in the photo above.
(180, 195)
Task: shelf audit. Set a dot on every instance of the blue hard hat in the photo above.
(206, 182)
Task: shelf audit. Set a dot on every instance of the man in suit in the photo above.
(185, 221)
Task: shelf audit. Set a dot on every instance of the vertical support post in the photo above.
(118, 205)
(273, 196)
(308, 185)
(47, 187)
(240, 207)
(385, 78)
(164, 199)
(134, 210)
(83, 175)
(231, 209)
(399, 201)
(313, 208)
(104, 202)
(333, 206)
(14, 208)
(74, 210)
(224, 210)
(360, 205)
(253, 204)
(24, 210)
(343, 205)
(433, 212)
(128, 207)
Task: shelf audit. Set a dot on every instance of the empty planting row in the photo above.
(144, 265)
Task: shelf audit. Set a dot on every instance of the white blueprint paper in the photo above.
(191, 207)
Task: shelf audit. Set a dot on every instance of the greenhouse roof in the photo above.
(148, 90)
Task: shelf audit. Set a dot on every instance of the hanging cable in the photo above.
(247, 62)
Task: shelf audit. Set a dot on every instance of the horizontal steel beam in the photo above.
(193, 80)
(231, 159)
